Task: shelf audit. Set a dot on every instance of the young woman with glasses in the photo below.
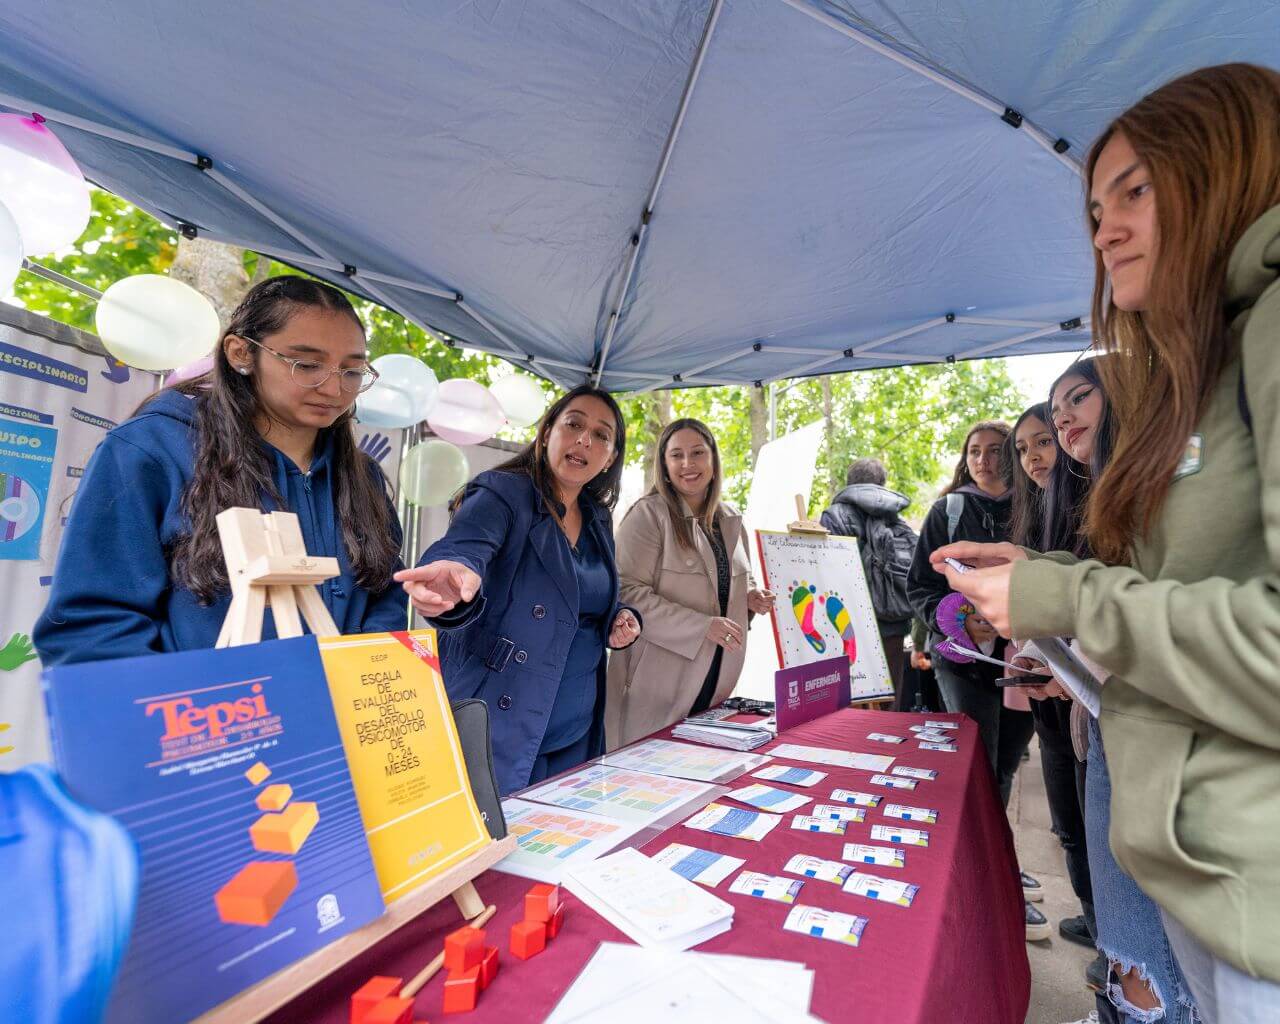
(270, 426)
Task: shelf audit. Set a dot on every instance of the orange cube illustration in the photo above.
(274, 798)
(256, 893)
(286, 831)
(258, 774)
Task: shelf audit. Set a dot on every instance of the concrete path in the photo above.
(1058, 991)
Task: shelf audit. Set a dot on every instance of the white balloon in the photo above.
(153, 322)
(403, 395)
(41, 185)
(10, 250)
(521, 398)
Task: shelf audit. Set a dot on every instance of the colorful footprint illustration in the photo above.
(840, 618)
(802, 605)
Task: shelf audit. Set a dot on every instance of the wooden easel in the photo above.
(268, 564)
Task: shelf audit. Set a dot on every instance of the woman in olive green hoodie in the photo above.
(1182, 603)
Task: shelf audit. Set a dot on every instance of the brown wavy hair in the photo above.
(962, 475)
(1211, 143)
(670, 497)
(232, 467)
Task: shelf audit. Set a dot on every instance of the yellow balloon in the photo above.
(433, 472)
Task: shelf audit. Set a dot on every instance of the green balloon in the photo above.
(432, 472)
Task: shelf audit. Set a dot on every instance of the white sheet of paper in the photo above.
(701, 866)
(791, 776)
(723, 820)
(827, 755)
(624, 984)
(767, 798)
(1069, 670)
(550, 839)
(685, 760)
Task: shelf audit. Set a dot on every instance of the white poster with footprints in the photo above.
(823, 607)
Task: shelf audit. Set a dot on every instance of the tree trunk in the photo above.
(829, 434)
(759, 414)
(215, 270)
(657, 406)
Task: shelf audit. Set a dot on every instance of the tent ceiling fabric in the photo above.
(841, 192)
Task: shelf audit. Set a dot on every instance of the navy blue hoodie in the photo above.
(112, 596)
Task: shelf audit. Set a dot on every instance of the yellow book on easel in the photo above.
(405, 758)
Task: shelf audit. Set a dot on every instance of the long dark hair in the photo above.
(233, 468)
(1070, 483)
(1210, 143)
(662, 481)
(1026, 525)
(962, 476)
(531, 460)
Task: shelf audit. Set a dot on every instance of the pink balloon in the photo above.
(201, 366)
(465, 412)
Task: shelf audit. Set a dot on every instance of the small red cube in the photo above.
(463, 949)
(554, 925)
(488, 967)
(540, 903)
(370, 994)
(528, 938)
(391, 1011)
(462, 990)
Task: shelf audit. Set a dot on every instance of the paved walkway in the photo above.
(1058, 991)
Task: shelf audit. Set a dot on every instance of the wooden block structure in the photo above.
(543, 919)
(541, 902)
(285, 831)
(463, 949)
(462, 990)
(256, 892)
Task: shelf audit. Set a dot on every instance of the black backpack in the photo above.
(886, 559)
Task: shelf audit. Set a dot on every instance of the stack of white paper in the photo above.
(628, 985)
(729, 735)
(649, 903)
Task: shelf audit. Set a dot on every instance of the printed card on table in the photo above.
(926, 815)
(883, 856)
(685, 760)
(884, 737)
(767, 798)
(826, 924)
(897, 834)
(551, 839)
(791, 776)
(701, 866)
(927, 774)
(948, 748)
(816, 867)
(722, 820)
(808, 823)
(841, 812)
(852, 796)
(932, 736)
(767, 887)
(892, 781)
(620, 793)
(886, 890)
(930, 726)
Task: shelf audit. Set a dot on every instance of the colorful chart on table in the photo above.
(621, 794)
(685, 761)
(550, 839)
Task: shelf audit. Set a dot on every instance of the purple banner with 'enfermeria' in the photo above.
(806, 692)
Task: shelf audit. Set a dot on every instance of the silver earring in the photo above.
(243, 370)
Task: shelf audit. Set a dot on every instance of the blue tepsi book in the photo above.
(227, 769)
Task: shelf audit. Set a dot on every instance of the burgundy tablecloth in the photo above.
(957, 955)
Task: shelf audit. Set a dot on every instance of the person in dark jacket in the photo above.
(976, 506)
(141, 569)
(868, 511)
(524, 588)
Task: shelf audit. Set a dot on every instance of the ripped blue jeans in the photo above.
(1130, 930)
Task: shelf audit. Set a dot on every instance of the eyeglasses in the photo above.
(307, 373)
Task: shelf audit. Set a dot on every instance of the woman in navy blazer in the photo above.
(524, 588)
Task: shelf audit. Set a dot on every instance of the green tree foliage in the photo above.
(913, 418)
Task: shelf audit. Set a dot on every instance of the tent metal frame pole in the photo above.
(1018, 339)
(985, 321)
(67, 282)
(83, 124)
(462, 304)
(947, 82)
(637, 237)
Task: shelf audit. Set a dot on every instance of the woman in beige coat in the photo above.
(683, 563)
